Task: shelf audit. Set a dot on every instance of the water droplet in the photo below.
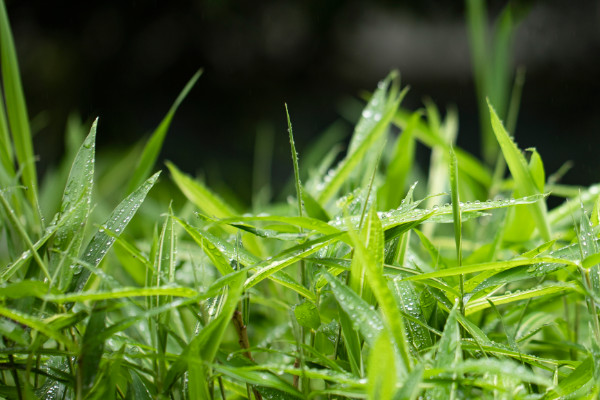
(367, 113)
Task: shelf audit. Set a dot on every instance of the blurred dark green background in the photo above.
(126, 61)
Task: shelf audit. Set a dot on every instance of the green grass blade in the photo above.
(519, 169)
(102, 242)
(410, 303)
(261, 378)
(299, 222)
(362, 317)
(448, 355)
(243, 256)
(38, 325)
(456, 215)
(295, 162)
(16, 109)
(6, 150)
(77, 196)
(154, 144)
(572, 383)
(199, 195)
(507, 298)
(32, 251)
(379, 285)
(410, 389)
(92, 350)
(373, 125)
(382, 369)
(289, 256)
(391, 191)
(122, 293)
(203, 348)
(496, 265)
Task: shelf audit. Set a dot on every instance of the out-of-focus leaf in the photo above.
(154, 144)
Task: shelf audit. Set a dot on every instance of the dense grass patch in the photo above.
(121, 282)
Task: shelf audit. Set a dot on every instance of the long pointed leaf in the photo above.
(102, 242)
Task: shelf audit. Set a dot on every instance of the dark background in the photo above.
(126, 61)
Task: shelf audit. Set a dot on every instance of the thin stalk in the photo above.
(303, 272)
(242, 333)
(457, 224)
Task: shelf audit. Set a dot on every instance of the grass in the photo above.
(363, 285)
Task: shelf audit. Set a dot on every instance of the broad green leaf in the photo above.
(152, 149)
(382, 369)
(379, 285)
(410, 389)
(91, 349)
(102, 242)
(525, 183)
(38, 325)
(307, 315)
(362, 316)
(14, 332)
(313, 208)
(16, 109)
(25, 288)
(410, 303)
(536, 167)
(448, 356)
(572, 383)
(76, 200)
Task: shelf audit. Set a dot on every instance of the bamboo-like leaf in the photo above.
(362, 316)
(260, 378)
(519, 169)
(509, 297)
(496, 265)
(390, 192)
(410, 303)
(204, 346)
(572, 383)
(77, 196)
(382, 369)
(91, 349)
(122, 293)
(267, 267)
(374, 123)
(244, 257)
(448, 355)
(102, 242)
(152, 149)
(199, 195)
(379, 286)
(309, 223)
(38, 325)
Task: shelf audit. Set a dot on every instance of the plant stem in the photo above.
(242, 333)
